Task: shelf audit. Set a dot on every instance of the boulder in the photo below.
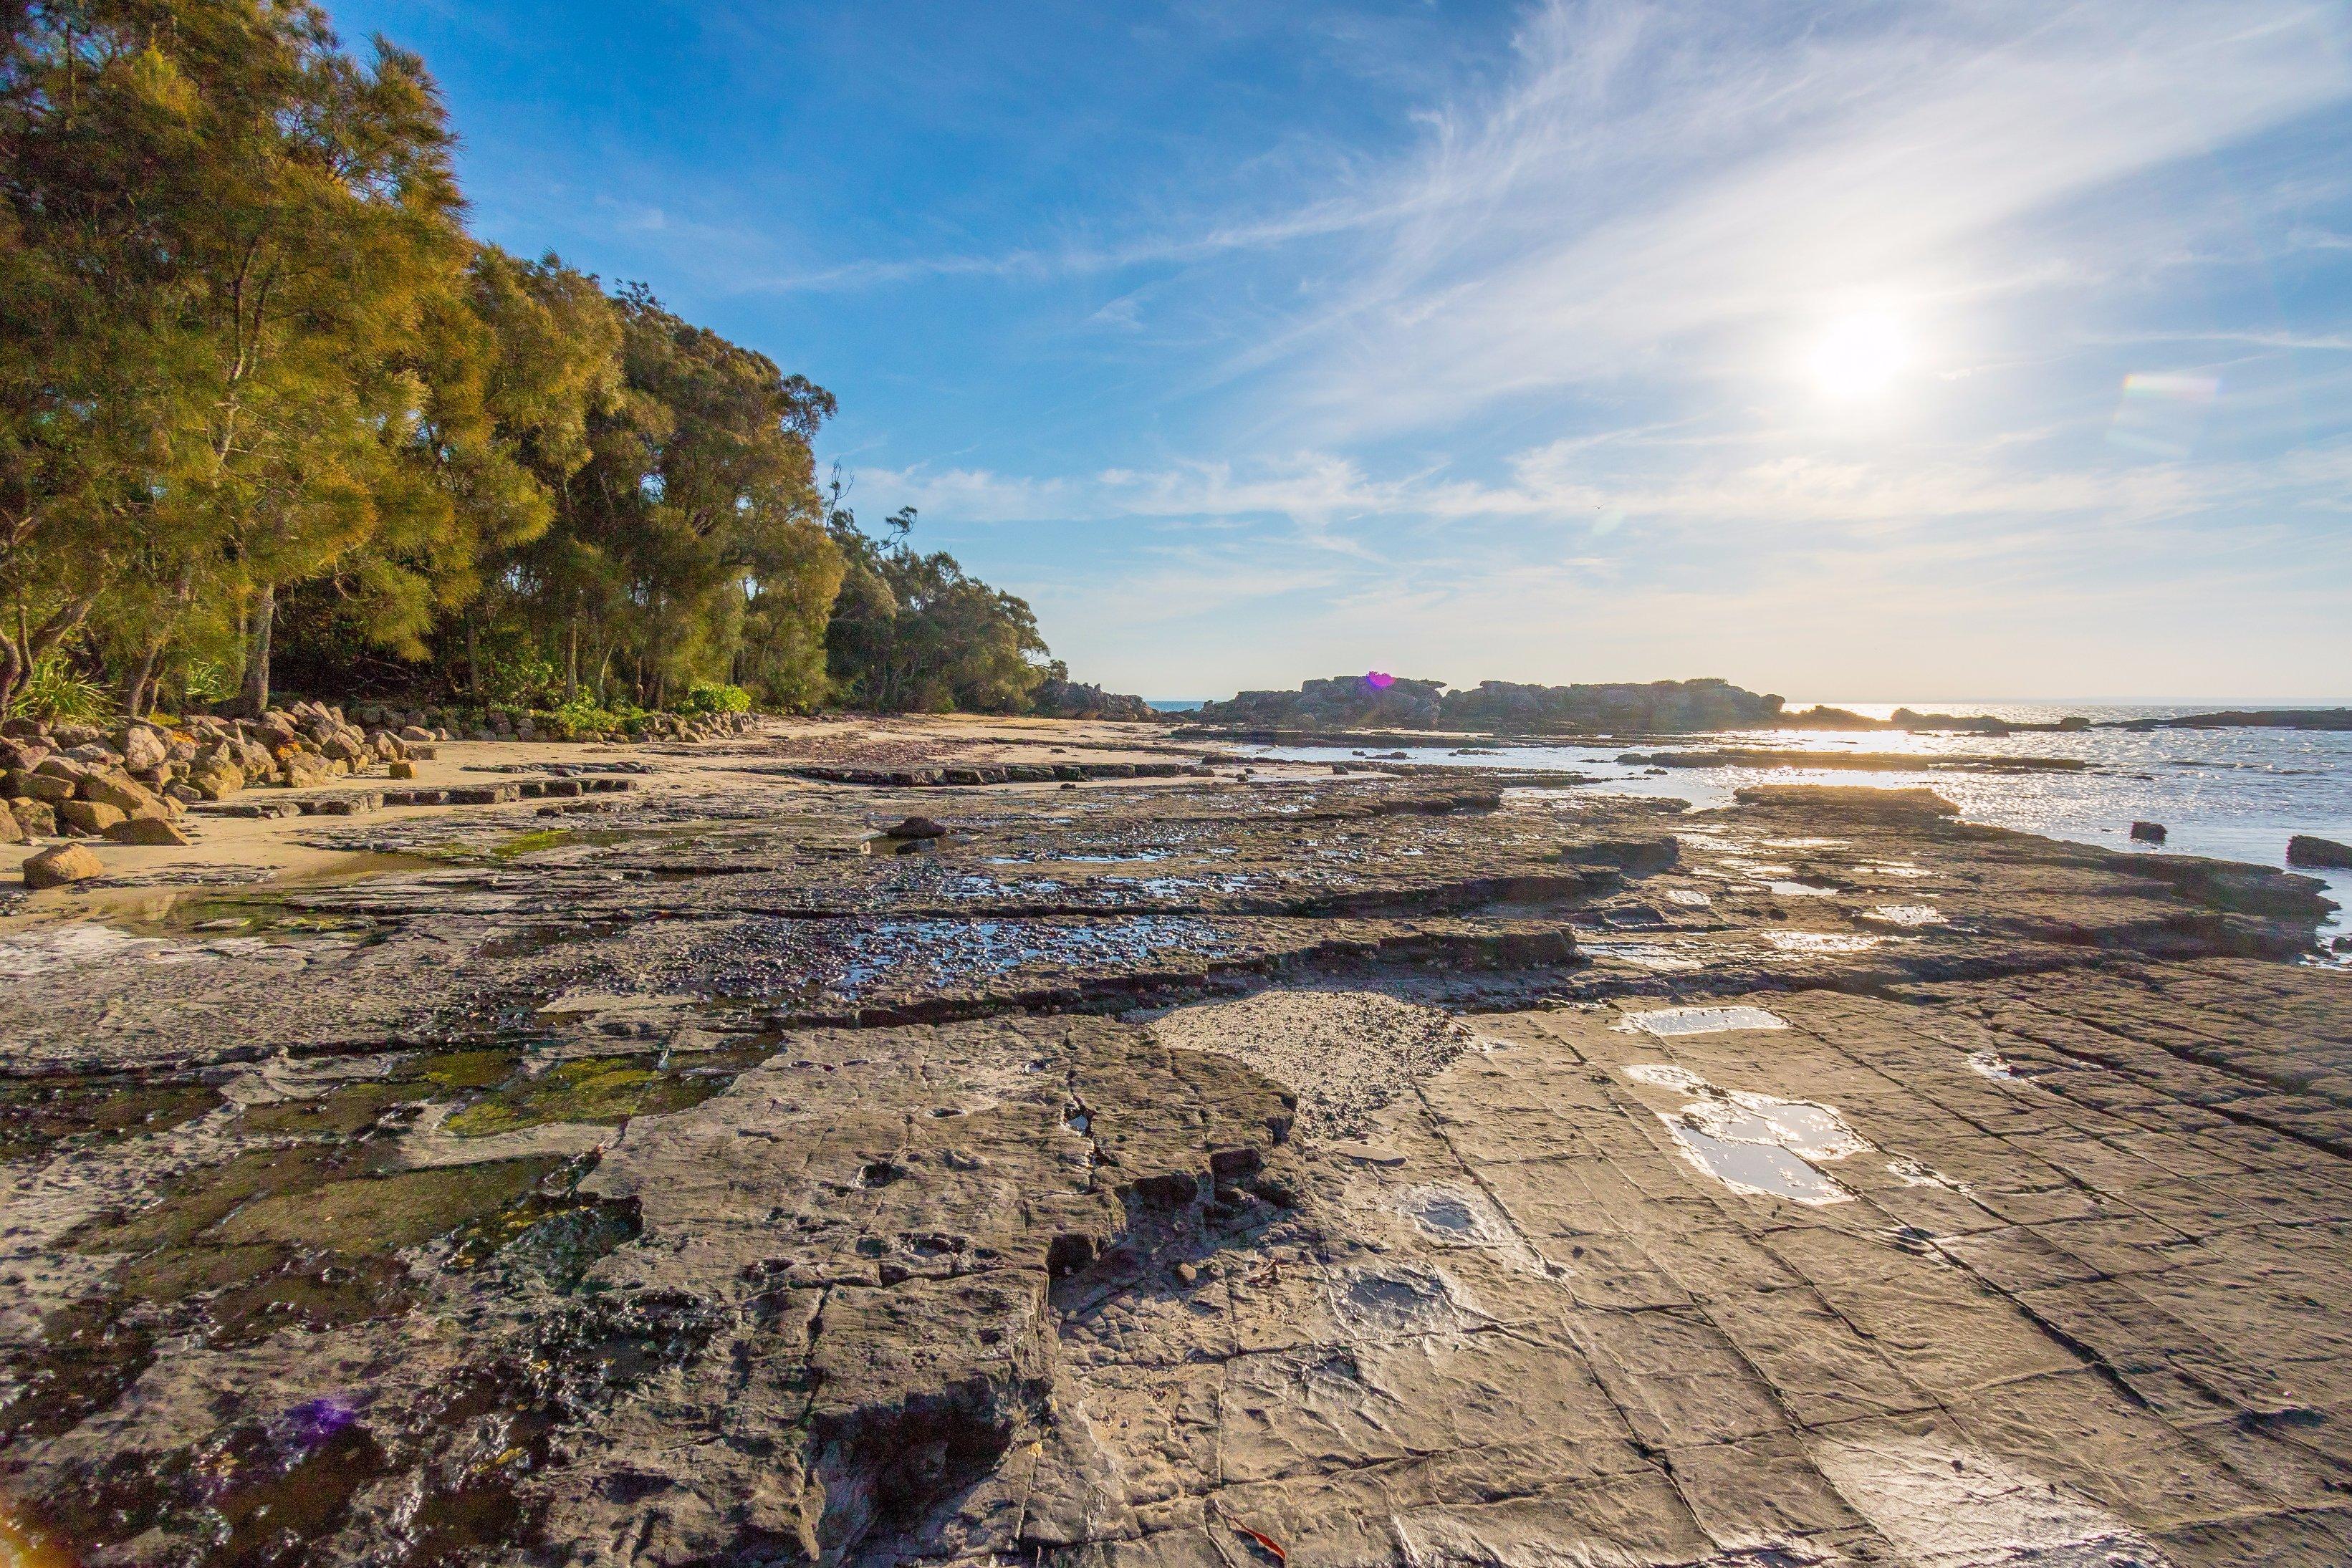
(21, 755)
(302, 768)
(402, 769)
(96, 754)
(88, 816)
(2148, 832)
(217, 775)
(416, 733)
(141, 747)
(38, 818)
(147, 830)
(65, 864)
(122, 792)
(916, 828)
(12, 831)
(2303, 849)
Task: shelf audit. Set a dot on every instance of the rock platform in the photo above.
(1377, 1168)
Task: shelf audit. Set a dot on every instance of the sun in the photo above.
(1860, 356)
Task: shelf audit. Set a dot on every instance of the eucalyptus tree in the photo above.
(694, 521)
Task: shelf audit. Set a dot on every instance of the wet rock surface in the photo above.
(1358, 1168)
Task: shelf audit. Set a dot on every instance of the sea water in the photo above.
(2234, 794)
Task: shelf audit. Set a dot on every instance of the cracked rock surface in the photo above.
(1349, 1170)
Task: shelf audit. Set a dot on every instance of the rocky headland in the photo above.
(1164, 1161)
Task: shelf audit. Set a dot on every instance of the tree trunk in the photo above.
(254, 699)
(572, 659)
(474, 654)
(139, 696)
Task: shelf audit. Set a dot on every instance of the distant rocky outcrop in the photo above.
(1060, 698)
(1360, 702)
(1343, 701)
(2318, 718)
(1658, 707)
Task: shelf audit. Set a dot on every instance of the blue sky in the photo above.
(1863, 350)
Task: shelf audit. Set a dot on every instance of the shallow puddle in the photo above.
(1820, 942)
(1642, 955)
(1906, 915)
(1990, 1063)
(50, 949)
(1400, 1299)
(1764, 1169)
(1800, 890)
(1756, 1143)
(848, 961)
(1700, 1021)
(1455, 1219)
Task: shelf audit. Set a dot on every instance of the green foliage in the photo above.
(910, 633)
(258, 385)
(714, 697)
(54, 691)
(583, 716)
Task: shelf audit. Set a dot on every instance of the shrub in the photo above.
(56, 693)
(711, 697)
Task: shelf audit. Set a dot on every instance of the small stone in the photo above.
(403, 769)
(1187, 1275)
(916, 828)
(65, 864)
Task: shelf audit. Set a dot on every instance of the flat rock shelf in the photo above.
(1310, 1168)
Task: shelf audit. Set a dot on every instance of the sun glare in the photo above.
(1860, 356)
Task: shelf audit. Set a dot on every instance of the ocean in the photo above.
(2236, 794)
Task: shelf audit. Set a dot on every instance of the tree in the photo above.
(691, 533)
(97, 126)
(911, 633)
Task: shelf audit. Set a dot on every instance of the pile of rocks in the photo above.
(73, 784)
(502, 723)
(131, 783)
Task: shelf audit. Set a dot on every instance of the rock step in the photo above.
(998, 773)
(350, 802)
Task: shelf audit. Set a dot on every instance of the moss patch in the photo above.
(38, 1113)
(607, 1089)
(375, 1215)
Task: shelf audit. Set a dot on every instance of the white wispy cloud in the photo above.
(1665, 176)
